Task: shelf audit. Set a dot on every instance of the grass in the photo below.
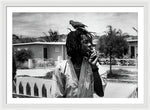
(122, 74)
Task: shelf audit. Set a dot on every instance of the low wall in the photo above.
(34, 87)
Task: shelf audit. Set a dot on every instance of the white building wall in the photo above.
(37, 50)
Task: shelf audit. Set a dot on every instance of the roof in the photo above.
(41, 43)
(61, 43)
(132, 40)
(44, 43)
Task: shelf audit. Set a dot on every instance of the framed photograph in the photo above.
(36, 39)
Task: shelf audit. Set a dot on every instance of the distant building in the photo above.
(46, 50)
(133, 48)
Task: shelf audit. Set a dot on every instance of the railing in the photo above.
(119, 62)
(30, 87)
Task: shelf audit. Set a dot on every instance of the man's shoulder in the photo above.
(61, 65)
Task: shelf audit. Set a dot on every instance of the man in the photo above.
(78, 76)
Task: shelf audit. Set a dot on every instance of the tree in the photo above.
(52, 37)
(15, 39)
(113, 44)
(27, 39)
(23, 55)
(20, 39)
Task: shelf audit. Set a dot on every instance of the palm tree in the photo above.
(135, 29)
(53, 36)
(113, 44)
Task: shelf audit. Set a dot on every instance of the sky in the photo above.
(34, 24)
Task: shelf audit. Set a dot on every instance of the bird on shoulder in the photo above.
(76, 24)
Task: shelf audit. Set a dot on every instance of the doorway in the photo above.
(132, 52)
(45, 53)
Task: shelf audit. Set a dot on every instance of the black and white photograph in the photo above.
(75, 52)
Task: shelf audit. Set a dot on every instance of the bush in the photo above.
(23, 55)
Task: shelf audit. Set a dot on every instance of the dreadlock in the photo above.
(73, 42)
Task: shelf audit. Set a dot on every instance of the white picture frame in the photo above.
(4, 102)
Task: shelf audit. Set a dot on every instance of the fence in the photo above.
(30, 87)
(45, 63)
(119, 62)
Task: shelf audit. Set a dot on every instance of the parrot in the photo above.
(76, 24)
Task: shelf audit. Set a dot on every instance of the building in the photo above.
(133, 48)
(55, 50)
(44, 50)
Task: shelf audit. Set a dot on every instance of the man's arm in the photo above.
(98, 88)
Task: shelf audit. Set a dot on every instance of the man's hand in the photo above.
(94, 57)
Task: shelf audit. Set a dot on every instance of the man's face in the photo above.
(86, 45)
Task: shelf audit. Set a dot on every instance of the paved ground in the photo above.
(118, 90)
(34, 72)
